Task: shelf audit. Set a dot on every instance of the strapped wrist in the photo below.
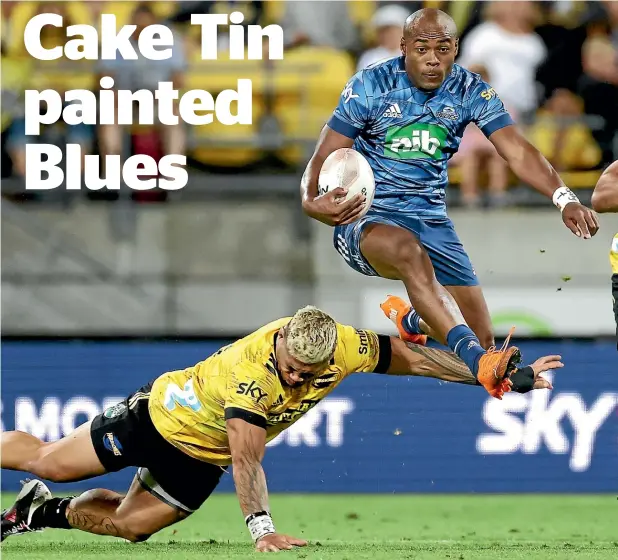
(563, 196)
(523, 380)
(260, 524)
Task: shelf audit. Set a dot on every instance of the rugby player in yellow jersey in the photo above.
(186, 427)
(605, 199)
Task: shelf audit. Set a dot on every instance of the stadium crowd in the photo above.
(554, 65)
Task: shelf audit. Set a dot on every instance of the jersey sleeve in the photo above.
(364, 351)
(354, 108)
(251, 391)
(487, 110)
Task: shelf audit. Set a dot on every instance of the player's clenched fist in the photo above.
(275, 542)
(332, 209)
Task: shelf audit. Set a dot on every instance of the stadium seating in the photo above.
(302, 90)
(24, 11)
(298, 93)
(573, 179)
(273, 11)
(217, 144)
(123, 10)
(361, 14)
(309, 83)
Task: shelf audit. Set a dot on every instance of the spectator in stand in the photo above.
(599, 84)
(253, 12)
(476, 158)
(16, 72)
(562, 136)
(388, 25)
(20, 72)
(507, 46)
(323, 24)
(143, 73)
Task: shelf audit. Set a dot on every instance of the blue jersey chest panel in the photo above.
(408, 129)
(409, 135)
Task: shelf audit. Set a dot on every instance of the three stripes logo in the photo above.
(393, 112)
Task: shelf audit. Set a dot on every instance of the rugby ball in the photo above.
(348, 169)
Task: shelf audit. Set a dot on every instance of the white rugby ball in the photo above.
(348, 169)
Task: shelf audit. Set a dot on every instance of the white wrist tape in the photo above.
(563, 196)
(260, 524)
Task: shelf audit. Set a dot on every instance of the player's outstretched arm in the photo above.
(605, 195)
(247, 445)
(412, 359)
(330, 208)
(533, 169)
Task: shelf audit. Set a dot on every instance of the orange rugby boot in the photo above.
(496, 366)
(395, 309)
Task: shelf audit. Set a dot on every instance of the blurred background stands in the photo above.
(555, 65)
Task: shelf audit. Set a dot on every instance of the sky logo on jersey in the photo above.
(415, 141)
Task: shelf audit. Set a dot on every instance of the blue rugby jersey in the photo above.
(408, 135)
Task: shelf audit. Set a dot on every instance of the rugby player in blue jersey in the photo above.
(407, 116)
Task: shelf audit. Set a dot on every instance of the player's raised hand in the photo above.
(580, 220)
(332, 209)
(529, 378)
(546, 363)
(276, 542)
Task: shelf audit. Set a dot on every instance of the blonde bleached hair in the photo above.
(311, 336)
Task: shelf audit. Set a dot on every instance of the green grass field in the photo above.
(376, 527)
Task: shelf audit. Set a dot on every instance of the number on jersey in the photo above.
(174, 395)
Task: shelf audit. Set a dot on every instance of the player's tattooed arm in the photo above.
(412, 359)
(247, 445)
(442, 364)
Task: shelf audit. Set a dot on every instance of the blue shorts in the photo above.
(437, 235)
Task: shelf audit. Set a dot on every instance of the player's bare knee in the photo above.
(44, 465)
(47, 471)
(132, 529)
(408, 261)
(136, 530)
(137, 537)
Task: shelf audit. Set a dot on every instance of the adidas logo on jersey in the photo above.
(394, 112)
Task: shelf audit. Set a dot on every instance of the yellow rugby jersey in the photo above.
(189, 407)
(613, 255)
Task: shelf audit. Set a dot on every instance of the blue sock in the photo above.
(411, 322)
(466, 345)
